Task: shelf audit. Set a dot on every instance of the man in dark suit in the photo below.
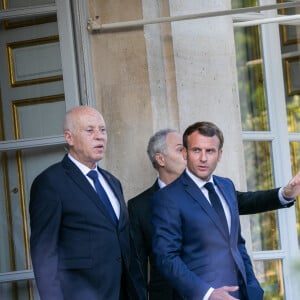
(197, 239)
(165, 153)
(80, 245)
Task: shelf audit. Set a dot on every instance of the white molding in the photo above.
(27, 11)
(84, 59)
(16, 276)
(68, 57)
(32, 143)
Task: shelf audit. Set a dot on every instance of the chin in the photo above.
(97, 157)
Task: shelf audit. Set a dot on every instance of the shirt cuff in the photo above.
(208, 293)
(282, 200)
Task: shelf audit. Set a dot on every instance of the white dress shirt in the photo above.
(112, 198)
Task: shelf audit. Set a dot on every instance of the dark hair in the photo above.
(206, 129)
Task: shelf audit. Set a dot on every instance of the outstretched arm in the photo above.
(262, 201)
(259, 201)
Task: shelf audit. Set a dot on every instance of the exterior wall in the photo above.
(164, 75)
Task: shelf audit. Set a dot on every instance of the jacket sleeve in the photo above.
(45, 217)
(259, 201)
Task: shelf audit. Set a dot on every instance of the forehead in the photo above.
(198, 140)
(91, 118)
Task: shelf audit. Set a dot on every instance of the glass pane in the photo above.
(269, 274)
(293, 113)
(290, 38)
(32, 105)
(243, 3)
(289, 33)
(22, 290)
(24, 3)
(34, 118)
(295, 156)
(251, 81)
(259, 170)
(17, 171)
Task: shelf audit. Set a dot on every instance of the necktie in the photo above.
(102, 194)
(216, 203)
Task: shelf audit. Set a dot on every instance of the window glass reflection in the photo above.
(290, 38)
(251, 79)
(295, 156)
(259, 170)
(269, 274)
(21, 290)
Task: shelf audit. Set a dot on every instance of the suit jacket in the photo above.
(259, 201)
(192, 248)
(77, 251)
(139, 209)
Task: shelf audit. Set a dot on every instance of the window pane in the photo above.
(20, 290)
(17, 171)
(269, 274)
(293, 112)
(23, 3)
(295, 156)
(243, 3)
(290, 38)
(259, 170)
(251, 79)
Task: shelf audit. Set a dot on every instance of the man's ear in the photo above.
(220, 154)
(159, 157)
(68, 137)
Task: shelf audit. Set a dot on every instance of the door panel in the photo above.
(32, 107)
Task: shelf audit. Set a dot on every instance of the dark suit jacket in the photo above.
(77, 252)
(139, 209)
(192, 248)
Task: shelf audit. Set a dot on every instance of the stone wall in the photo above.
(164, 75)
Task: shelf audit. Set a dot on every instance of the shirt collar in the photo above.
(199, 182)
(83, 168)
(161, 183)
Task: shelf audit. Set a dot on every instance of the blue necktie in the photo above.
(102, 194)
(216, 203)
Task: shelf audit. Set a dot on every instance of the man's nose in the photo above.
(203, 156)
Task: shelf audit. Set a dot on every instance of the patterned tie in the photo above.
(102, 195)
(216, 203)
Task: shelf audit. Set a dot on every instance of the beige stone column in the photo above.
(164, 75)
(206, 79)
(123, 93)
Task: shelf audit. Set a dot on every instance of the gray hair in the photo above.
(158, 144)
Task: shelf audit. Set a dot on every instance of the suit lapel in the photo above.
(79, 179)
(196, 193)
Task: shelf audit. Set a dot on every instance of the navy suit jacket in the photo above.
(192, 248)
(139, 209)
(77, 251)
